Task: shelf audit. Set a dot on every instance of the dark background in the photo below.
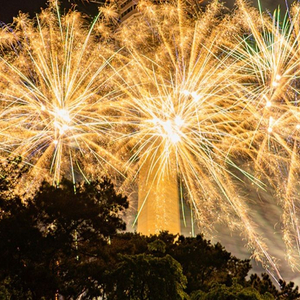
(10, 8)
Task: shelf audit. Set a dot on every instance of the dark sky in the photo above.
(10, 8)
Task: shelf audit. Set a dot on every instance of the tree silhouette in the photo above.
(46, 242)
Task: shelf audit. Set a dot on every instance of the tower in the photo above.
(158, 192)
(127, 8)
(158, 196)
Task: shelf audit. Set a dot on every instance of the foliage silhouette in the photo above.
(46, 242)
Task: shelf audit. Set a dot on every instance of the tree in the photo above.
(204, 263)
(63, 242)
(234, 292)
(263, 284)
(288, 291)
(11, 172)
(148, 276)
(46, 243)
(209, 269)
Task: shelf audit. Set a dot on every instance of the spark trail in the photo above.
(186, 110)
(55, 95)
(177, 99)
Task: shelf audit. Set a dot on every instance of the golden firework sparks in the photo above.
(185, 112)
(186, 104)
(55, 95)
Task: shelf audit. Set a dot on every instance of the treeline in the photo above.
(61, 243)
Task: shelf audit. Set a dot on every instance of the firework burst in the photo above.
(55, 95)
(189, 105)
(270, 56)
(186, 111)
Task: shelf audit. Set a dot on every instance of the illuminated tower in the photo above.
(158, 195)
(158, 202)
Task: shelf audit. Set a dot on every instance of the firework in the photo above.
(270, 55)
(55, 95)
(193, 101)
(185, 114)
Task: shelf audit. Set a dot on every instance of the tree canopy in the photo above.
(46, 241)
(69, 240)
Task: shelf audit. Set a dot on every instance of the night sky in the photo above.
(10, 8)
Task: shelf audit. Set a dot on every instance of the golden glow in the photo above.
(54, 96)
(187, 108)
(187, 103)
(170, 129)
(271, 63)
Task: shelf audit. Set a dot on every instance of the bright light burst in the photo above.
(186, 109)
(55, 95)
(190, 107)
(271, 56)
